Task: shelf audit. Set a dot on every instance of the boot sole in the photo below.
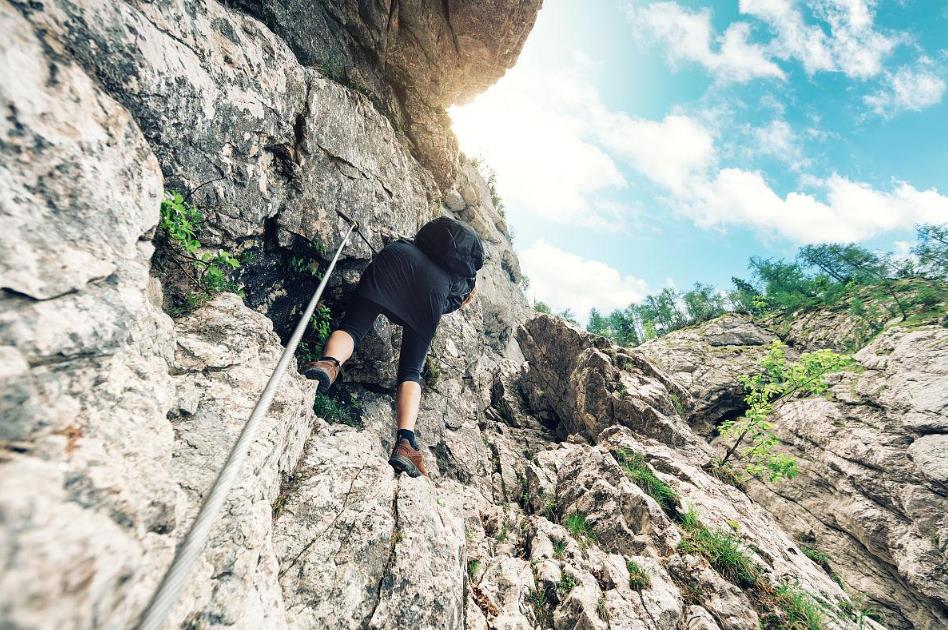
(400, 464)
(320, 375)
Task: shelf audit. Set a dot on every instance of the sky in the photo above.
(640, 144)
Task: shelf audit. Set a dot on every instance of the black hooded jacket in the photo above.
(418, 281)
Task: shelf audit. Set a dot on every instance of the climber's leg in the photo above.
(360, 317)
(406, 457)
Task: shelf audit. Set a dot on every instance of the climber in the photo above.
(413, 283)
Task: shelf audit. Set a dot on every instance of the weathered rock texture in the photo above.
(872, 488)
(114, 418)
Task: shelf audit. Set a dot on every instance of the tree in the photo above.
(599, 324)
(703, 302)
(932, 250)
(745, 298)
(567, 314)
(542, 307)
(777, 381)
(623, 326)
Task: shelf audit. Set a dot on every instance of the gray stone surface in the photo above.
(114, 418)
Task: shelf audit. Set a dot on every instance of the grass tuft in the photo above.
(798, 610)
(580, 528)
(722, 549)
(640, 472)
(638, 576)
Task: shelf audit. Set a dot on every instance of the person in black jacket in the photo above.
(413, 283)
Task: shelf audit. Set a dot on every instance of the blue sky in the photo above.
(639, 144)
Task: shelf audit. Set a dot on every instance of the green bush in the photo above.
(206, 272)
(823, 560)
(638, 470)
(638, 576)
(559, 548)
(566, 584)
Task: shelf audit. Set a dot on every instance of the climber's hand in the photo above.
(470, 296)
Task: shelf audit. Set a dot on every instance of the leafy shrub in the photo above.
(777, 380)
(559, 548)
(822, 559)
(638, 470)
(472, 566)
(206, 272)
(638, 576)
(321, 324)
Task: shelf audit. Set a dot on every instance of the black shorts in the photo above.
(361, 316)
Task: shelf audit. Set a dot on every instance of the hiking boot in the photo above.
(407, 460)
(325, 371)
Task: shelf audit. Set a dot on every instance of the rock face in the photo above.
(114, 417)
(871, 492)
(430, 54)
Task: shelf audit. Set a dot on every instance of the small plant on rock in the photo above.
(580, 528)
(472, 567)
(722, 549)
(798, 610)
(754, 438)
(638, 576)
(559, 548)
(206, 272)
(640, 472)
(566, 584)
(823, 560)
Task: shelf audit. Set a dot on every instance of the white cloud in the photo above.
(557, 150)
(669, 152)
(843, 38)
(846, 41)
(907, 89)
(564, 280)
(687, 36)
(852, 211)
(778, 140)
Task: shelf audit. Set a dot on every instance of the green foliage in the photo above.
(722, 549)
(559, 548)
(338, 408)
(550, 508)
(432, 372)
(753, 435)
(876, 287)
(638, 577)
(932, 251)
(566, 584)
(320, 324)
(580, 528)
(542, 605)
(823, 560)
(181, 222)
(798, 609)
(679, 406)
(472, 566)
(207, 272)
(542, 307)
(640, 472)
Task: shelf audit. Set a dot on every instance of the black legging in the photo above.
(361, 316)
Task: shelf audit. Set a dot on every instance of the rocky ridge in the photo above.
(115, 416)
